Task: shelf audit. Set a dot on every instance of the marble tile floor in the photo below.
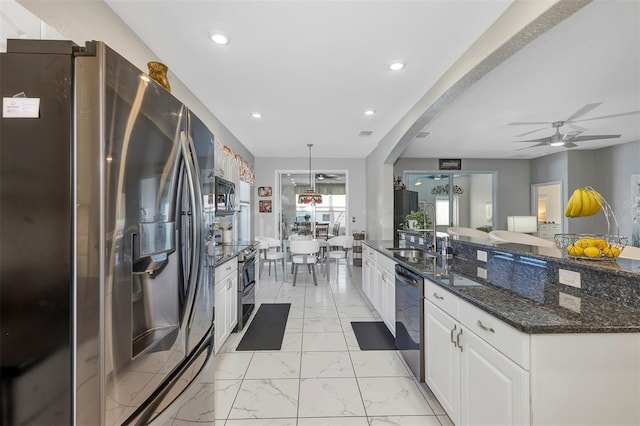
(319, 377)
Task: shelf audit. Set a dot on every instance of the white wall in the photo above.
(267, 167)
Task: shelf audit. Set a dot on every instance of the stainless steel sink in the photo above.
(410, 253)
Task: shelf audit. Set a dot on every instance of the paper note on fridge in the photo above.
(20, 107)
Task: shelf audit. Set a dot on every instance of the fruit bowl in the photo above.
(591, 246)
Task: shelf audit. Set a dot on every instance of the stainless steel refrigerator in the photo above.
(106, 201)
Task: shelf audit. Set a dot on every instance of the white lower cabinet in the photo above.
(473, 381)
(485, 372)
(226, 301)
(378, 284)
(494, 390)
(442, 367)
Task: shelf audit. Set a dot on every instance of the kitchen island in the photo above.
(507, 343)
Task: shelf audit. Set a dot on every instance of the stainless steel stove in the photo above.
(246, 284)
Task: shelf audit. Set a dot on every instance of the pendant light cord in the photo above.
(311, 184)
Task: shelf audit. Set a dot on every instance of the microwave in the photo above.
(225, 193)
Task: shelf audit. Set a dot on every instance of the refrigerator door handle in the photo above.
(194, 269)
(197, 221)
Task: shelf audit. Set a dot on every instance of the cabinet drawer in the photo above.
(442, 298)
(226, 269)
(510, 342)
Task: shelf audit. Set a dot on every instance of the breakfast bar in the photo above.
(557, 337)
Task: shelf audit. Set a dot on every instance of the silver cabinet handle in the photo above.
(452, 339)
(458, 340)
(438, 297)
(485, 328)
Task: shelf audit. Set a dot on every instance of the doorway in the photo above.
(301, 218)
(546, 204)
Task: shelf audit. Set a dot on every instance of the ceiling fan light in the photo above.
(557, 143)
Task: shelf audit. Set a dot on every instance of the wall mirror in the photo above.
(464, 199)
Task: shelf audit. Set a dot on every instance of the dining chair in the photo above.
(338, 248)
(270, 248)
(322, 230)
(304, 252)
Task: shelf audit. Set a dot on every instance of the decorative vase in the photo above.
(158, 72)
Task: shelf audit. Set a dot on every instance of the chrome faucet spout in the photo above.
(433, 223)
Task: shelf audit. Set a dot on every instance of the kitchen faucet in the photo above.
(433, 222)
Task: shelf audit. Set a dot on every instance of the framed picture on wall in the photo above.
(265, 206)
(264, 191)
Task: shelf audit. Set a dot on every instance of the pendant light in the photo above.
(310, 196)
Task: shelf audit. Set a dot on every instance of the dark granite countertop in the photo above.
(225, 252)
(530, 304)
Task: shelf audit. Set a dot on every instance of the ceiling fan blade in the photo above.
(531, 131)
(576, 127)
(569, 136)
(622, 114)
(533, 146)
(545, 140)
(569, 144)
(526, 123)
(582, 111)
(593, 137)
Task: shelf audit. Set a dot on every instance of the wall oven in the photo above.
(225, 197)
(246, 285)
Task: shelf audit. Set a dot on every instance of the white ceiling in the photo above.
(591, 57)
(310, 67)
(313, 67)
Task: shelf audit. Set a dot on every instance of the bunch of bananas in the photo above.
(583, 202)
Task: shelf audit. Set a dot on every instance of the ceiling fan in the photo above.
(327, 176)
(566, 140)
(573, 118)
(569, 139)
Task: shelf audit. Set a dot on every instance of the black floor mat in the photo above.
(266, 330)
(373, 336)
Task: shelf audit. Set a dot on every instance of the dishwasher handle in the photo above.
(407, 277)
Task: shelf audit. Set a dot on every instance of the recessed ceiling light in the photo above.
(256, 115)
(396, 65)
(369, 112)
(219, 38)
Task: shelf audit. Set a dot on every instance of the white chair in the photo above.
(520, 238)
(304, 252)
(270, 250)
(467, 232)
(338, 248)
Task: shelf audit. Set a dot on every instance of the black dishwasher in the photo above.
(409, 319)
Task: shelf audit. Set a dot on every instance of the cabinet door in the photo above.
(220, 314)
(378, 291)
(366, 277)
(232, 302)
(494, 390)
(443, 359)
(390, 305)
